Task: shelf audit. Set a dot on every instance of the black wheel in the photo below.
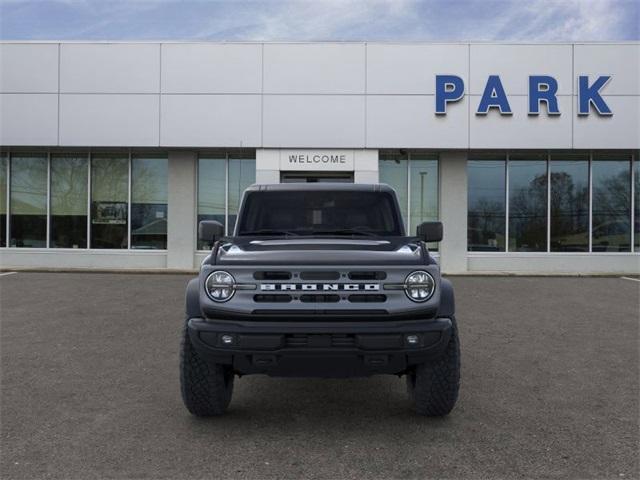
(206, 387)
(433, 387)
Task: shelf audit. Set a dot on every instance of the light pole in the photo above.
(422, 175)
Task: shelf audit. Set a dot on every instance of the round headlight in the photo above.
(220, 286)
(419, 286)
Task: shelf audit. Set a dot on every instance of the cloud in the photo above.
(331, 20)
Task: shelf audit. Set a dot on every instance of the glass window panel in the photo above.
(636, 189)
(423, 174)
(69, 201)
(28, 201)
(569, 203)
(528, 203)
(242, 174)
(109, 197)
(611, 230)
(393, 168)
(211, 192)
(424, 191)
(3, 199)
(487, 205)
(149, 194)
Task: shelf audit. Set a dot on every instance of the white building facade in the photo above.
(110, 153)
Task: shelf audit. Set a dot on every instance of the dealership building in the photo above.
(110, 153)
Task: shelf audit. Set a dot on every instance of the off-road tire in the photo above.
(433, 386)
(206, 387)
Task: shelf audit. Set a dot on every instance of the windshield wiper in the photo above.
(268, 231)
(345, 231)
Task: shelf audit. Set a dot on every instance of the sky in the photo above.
(321, 20)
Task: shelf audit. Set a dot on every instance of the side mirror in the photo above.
(430, 231)
(209, 231)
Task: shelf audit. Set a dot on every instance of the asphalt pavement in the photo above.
(90, 389)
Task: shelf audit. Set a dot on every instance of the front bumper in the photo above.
(320, 349)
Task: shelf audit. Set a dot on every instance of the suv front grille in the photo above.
(340, 293)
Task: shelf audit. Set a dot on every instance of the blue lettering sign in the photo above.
(590, 95)
(543, 88)
(449, 88)
(494, 97)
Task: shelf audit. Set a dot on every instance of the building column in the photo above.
(366, 166)
(267, 165)
(182, 210)
(453, 211)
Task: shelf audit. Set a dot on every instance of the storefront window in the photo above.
(611, 181)
(528, 203)
(242, 174)
(424, 190)
(394, 171)
(28, 208)
(486, 204)
(211, 191)
(149, 196)
(109, 197)
(3, 200)
(569, 203)
(222, 179)
(69, 179)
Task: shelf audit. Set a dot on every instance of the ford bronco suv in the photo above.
(319, 280)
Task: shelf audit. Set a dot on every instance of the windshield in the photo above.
(320, 213)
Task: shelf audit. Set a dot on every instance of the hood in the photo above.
(320, 251)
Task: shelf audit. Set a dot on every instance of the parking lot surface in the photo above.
(90, 389)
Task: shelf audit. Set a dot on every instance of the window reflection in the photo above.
(242, 174)
(486, 200)
(28, 201)
(109, 196)
(69, 201)
(569, 203)
(611, 230)
(393, 170)
(3, 199)
(218, 174)
(211, 191)
(424, 192)
(527, 203)
(149, 195)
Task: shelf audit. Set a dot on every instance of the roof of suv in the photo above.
(297, 187)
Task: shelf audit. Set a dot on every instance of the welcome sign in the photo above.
(317, 160)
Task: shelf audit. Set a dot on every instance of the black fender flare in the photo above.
(192, 299)
(447, 306)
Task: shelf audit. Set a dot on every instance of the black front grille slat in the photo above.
(265, 298)
(294, 341)
(357, 298)
(307, 298)
(365, 275)
(315, 312)
(319, 275)
(272, 275)
(337, 340)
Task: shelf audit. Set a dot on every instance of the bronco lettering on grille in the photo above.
(371, 287)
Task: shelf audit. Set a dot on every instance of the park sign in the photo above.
(542, 90)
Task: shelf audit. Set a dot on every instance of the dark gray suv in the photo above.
(319, 280)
